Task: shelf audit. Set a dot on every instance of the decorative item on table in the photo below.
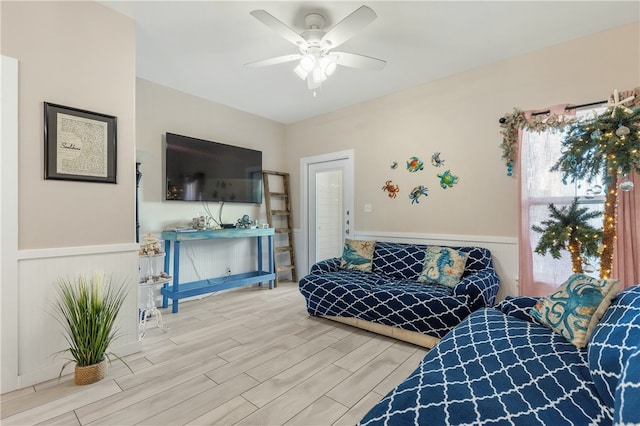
(199, 223)
(150, 246)
(436, 161)
(391, 189)
(447, 180)
(87, 309)
(417, 192)
(244, 222)
(414, 164)
(152, 278)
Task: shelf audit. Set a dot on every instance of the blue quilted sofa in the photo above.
(389, 300)
(499, 367)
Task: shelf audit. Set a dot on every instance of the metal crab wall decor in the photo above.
(391, 189)
(436, 161)
(417, 192)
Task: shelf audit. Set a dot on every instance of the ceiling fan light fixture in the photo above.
(308, 62)
(313, 84)
(301, 72)
(328, 65)
(315, 63)
(318, 75)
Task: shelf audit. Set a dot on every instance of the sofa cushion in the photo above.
(518, 306)
(575, 308)
(357, 255)
(496, 369)
(443, 265)
(407, 304)
(613, 342)
(397, 260)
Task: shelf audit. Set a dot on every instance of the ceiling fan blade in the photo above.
(354, 60)
(273, 61)
(277, 26)
(349, 26)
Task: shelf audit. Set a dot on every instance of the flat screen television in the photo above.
(201, 170)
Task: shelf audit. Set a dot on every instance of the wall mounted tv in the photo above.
(201, 170)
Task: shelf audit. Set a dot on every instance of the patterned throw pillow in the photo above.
(575, 308)
(357, 255)
(443, 265)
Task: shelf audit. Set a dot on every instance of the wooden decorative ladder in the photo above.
(278, 203)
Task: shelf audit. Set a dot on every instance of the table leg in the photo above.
(271, 259)
(176, 275)
(167, 255)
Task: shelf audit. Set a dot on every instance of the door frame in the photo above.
(9, 222)
(305, 162)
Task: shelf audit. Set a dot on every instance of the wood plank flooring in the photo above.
(248, 356)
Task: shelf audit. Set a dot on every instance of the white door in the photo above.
(330, 207)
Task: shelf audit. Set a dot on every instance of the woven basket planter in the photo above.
(91, 373)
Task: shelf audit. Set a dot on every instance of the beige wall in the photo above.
(82, 55)
(78, 54)
(458, 116)
(160, 110)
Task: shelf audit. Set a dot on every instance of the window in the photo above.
(539, 188)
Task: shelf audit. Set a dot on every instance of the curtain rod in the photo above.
(502, 120)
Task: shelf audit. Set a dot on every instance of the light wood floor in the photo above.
(249, 356)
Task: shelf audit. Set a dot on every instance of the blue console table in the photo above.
(177, 290)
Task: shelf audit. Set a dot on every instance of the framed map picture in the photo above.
(79, 144)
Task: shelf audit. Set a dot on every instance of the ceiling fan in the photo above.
(317, 60)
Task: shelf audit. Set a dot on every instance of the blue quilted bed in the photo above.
(495, 369)
(390, 294)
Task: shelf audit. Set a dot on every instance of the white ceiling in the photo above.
(200, 47)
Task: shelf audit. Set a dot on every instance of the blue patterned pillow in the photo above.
(443, 265)
(575, 308)
(357, 255)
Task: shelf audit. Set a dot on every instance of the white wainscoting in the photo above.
(39, 335)
(503, 249)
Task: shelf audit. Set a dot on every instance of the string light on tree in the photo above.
(607, 144)
(568, 228)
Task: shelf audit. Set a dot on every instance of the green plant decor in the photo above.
(608, 144)
(87, 309)
(568, 228)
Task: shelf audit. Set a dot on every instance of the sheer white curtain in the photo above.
(542, 274)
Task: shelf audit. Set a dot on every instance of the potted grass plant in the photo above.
(87, 309)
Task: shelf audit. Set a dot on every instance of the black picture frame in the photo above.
(79, 145)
